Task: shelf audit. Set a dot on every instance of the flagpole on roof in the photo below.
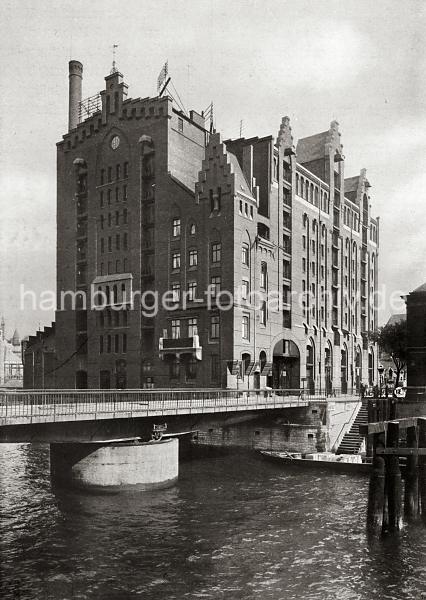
(163, 79)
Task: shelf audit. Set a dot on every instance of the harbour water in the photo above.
(234, 527)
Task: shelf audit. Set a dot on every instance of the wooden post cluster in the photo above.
(386, 489)
(411, 496)
(422, 467)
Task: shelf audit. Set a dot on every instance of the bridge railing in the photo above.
(56, 404)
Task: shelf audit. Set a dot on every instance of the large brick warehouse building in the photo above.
(149, 200)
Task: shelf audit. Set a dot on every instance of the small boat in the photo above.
(336, 463)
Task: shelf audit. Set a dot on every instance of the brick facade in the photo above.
(150, 201)
(416, 340)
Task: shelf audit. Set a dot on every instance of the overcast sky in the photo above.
(361, 62)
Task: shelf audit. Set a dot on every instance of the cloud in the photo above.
(28, 211)
(317, 54)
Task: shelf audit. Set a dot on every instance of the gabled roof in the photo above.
(320, 145)
(311, 147)
(398, 318)
(421, 289)
(351, 184)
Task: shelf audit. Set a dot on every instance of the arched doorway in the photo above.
(328, 369)
(358, 369)
(245, 363)
(262, 360)
(286, 366)
(344, 370)
(310, 367)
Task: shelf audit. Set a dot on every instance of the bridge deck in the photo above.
(31, 407)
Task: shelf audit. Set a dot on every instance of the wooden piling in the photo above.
(393, 483)
(411, 494)
(392, 408)
(371, 418)
(376, 491)
(421, 422)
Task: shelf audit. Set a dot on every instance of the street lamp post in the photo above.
(390, 400)
(380, 369)
(383, 404)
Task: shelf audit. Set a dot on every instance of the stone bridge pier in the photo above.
(115, 466)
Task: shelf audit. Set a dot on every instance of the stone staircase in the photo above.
(352, 440)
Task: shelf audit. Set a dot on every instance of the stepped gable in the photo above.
(285, 137)
(357, 186)
(41, 336)
(320, 145)
(220, 165)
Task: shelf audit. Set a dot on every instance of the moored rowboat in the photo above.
(338, 463)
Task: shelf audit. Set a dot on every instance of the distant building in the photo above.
(11, 370)
(416, 342)
(39, 353)
(149, 199)
(386, 361)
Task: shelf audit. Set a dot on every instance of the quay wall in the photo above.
(318, 427)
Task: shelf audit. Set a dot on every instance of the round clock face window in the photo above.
(115, 142)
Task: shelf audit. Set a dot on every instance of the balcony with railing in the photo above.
(180, 345)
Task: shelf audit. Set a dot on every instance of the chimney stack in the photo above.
(248, 164)
(75, 84)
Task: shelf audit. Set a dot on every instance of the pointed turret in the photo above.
(16, 340)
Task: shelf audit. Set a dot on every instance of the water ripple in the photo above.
(234, 528)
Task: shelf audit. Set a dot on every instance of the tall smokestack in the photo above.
(75, 83)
